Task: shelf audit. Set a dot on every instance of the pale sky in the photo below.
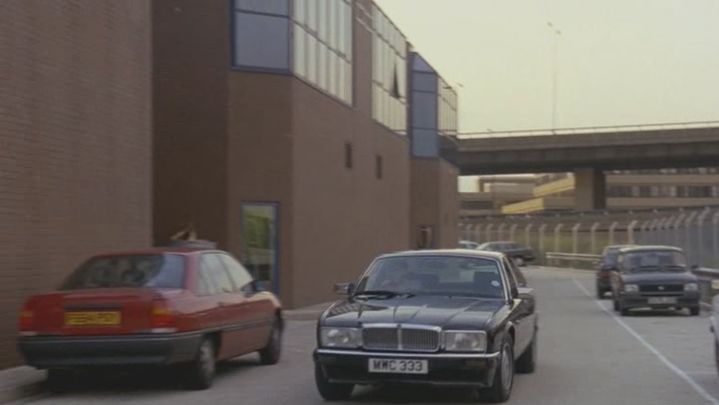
(620, 61)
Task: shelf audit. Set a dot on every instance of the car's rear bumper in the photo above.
(49, 352)
(344, 366)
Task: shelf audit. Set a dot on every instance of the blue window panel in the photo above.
(277, 7)
(272, 52)
(425, 143)
(424, 82)
(424, 110)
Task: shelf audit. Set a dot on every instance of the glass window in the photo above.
(216, 274)
(300, 51)
(300, 11)
(279, 7)
(323, 26)
(148, 271)
(312, 15)
(272, 51)
(260, 243)
(240, 277)
(311, 58)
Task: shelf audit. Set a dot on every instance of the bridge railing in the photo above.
(591, 130)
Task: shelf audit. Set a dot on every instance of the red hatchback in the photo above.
(157, 307)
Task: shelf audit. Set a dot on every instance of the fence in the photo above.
(694, 230)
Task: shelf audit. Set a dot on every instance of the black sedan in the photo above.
(436, 317)
(605, 267)
(655, 277)
(519, 254)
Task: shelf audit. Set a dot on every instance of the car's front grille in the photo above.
(410, 338)
(659, 289)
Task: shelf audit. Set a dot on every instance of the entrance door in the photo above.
(260, 243)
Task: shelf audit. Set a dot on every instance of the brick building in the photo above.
(75, 122)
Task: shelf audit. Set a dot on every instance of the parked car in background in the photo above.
(606, 264)
(655, 277)
(715, 329)
(435, 317)
(521, 255)
(180, 307)
(467, 244)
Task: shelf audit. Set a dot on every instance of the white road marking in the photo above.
(701, 391)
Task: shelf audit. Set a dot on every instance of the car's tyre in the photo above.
(270, 354)
(59, 380)
(501, 388)
(694, 311)
(601, 293)
(622, 309)
(331, 391)
(527, 362)
(200, 374)
(616, 304)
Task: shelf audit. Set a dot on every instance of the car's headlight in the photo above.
(465, 341)
(346, 338)
(691, 287)
(631, 288)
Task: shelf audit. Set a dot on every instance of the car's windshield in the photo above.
(434, 275)
(155, 271)
(655, 261)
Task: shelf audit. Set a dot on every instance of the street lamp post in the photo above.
(556, 33)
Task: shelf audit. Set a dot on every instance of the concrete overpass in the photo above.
(587, 152)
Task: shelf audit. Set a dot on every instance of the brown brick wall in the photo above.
(191, 64)
(74, 141)
(434, 201)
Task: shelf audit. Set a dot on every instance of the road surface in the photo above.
(587, 356)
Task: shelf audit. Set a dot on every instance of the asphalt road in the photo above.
(587, 356)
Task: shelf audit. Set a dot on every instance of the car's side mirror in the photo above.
(515, 292)
(344, 288)
(525, 293)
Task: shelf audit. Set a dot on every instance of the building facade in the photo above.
(282, 132)
(75, 142)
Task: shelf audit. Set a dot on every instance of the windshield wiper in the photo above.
(381, 293)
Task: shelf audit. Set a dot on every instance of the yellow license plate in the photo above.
(101, 318)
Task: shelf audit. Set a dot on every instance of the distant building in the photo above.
(628, 189)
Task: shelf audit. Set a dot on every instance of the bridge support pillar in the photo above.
(590, 190)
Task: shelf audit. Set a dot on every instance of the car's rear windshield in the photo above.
(151, 271)
(654, 260)
(435, 275)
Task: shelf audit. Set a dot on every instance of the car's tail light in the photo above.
(162, 318)
(26, 323)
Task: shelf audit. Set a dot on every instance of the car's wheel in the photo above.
(694, 311)
(59, 380)
(201, 372)
(501, 388)
(270, 354)
(527, 362)
(622, 309)
(600, 292)
(331, 391)
(616, 304)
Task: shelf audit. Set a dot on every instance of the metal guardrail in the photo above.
(558, 258)
(590, 130)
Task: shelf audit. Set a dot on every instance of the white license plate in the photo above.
(662, 300)
(398, 366)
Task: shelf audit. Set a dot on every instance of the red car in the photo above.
(180, 307)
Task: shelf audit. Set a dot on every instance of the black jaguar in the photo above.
(442, 317)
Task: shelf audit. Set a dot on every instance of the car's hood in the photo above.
(659, 278)
(443, 311)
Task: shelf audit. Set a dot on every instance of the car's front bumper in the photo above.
(445, 369)
(638, 300)
(51, 351)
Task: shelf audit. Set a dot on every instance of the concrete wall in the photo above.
(75, 142)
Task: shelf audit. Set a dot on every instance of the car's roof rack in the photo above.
(194, 244)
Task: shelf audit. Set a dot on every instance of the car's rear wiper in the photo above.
(381, 293)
